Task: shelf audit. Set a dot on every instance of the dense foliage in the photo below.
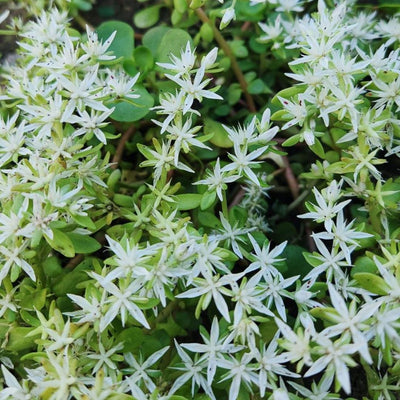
(201, 204)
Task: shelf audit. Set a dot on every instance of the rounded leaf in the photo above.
(172, 42)
(152, 38)
(135, 109)
(123, 43)
(147, 17)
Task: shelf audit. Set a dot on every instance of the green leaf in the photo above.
(143, 58)
(391, 192)
(52, 267)
(387, 352)
(84, 244)
(173, 42)
(69, 282)
(256, 46)
(61, 243)
(208, 219)
(83, 5)
(148, 303)
(123, 200)
(239, 49)
(291, 141)
(28, 319)
(145, 150)
(312, 259)
(222, 110)
(247, 11)
(129, 111)
(220, 135)
(268, 330)
(152, 38)
(373, 283)
(176, 17)
(194, 4)
(123, 43)
(85, 221)
(18, 339)
(207, 200)
(35, 300)
(132, 338)
(172, 328)
(234, 93)
(324, 313)
(176, 397)
(113, 179)
(147, 17)
(295, 261)
(363, 264)
(257, 87)
(280, 115)
(180, 5)
(206, 32)
(120, 396)
(130, 67)
(188, 201)
(287, 93)
(318, 149)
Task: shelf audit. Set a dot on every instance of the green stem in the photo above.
(225, 206)
(297, 201)
(164, 313)
(228, 52)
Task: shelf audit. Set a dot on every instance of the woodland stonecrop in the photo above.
(157, 242)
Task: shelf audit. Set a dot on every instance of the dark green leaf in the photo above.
(295, 261)
(257, 87)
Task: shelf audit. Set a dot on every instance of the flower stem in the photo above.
(225, 211)
(164, 313)
(228, 52)
(291, 179)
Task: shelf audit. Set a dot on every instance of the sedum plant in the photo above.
(206, 208)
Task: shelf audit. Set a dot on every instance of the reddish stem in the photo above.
(121, 146)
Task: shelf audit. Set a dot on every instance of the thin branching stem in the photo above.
(121, 146)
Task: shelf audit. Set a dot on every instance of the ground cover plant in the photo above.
(201, 202)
